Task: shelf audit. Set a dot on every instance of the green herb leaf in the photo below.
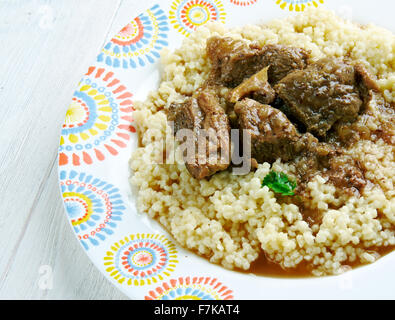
(279, 183)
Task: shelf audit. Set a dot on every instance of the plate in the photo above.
(98, 135)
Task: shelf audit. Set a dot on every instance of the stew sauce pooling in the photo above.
(301, 111)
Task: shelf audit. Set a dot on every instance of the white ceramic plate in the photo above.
(98, 136)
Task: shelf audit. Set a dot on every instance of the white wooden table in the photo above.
(45, 47)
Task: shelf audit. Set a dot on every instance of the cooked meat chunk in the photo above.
(283, 60)
(209, 126)
(346, 173)
(256, 86)
(322, 94)
(279, 104)
(348, 133)
(235, 60)
(365, 77)
(272, 135)
(311, 157)
(265, 94)
(308, 145)
(341, 170)
(365, 82)
(185, 115)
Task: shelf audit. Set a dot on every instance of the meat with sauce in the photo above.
(284, 104)
(283, 60)
(322, 94)
(346, 173)
(235, 60)
(272, 135)
(365, 83)
(209, 130)
(346, 134)
(257, 87)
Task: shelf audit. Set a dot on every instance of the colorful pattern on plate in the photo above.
(202, 288)
(243, 3)
(93, 206)
(98, 121)
(297, 5)
(139, 42)
(187, 15)
(141, 259)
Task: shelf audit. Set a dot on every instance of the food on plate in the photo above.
(306, 103)
(203, 111)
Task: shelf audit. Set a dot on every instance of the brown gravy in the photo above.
(263, 267)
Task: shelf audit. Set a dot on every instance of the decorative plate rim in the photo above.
(143, 261)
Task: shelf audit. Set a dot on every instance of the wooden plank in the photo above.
(49, 242)
(46, 47)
